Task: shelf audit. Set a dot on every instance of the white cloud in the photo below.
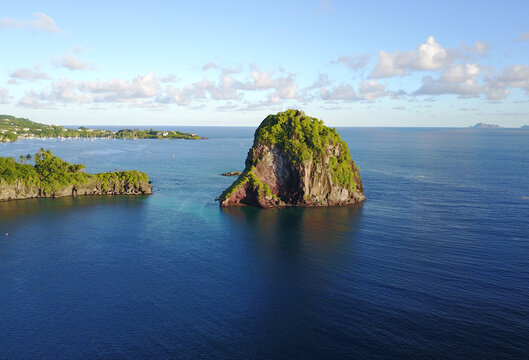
(515, 76)
(225, 90)
(309, 94)
(185, 96)
(231, 70)
(464, 81)
(371, 90)
(4, 96)
(321, 81)
(200, 90)
(65, 91)
(457, 79)
(72, 63)
(228, 88)
(40, 21)
(524, 37)
(354, 61)
(34, 100)
(465, 89)
(268, 89)
(391, 64)
(28, 74)
(429, 56)
(146, 91)
(210, 65)
(339, 92)
(284, 87)
(367, 91)
(460, 73)
(480, 48)
(168, 78)
(495, 93)
(223, 70)
(118, 90)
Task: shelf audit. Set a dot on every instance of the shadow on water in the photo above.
(294, 229)
(298, 254)
(16, 209)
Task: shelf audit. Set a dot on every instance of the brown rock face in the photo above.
(18, 190)
(275, 177)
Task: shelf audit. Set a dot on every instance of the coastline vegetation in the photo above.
(13, 128)
(51, 173)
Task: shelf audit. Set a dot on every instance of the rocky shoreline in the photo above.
(51, 177)
(19, 191)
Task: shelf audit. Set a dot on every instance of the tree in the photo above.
(21, 159)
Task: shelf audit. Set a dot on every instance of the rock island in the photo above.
(51, 176)
(295, 160)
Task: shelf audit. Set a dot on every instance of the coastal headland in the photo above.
(13, 128)
(51, 177)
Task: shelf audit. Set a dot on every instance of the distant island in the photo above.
(13, 128)
(485, 126)
(494, 126)
(51, 176)
(295, 160)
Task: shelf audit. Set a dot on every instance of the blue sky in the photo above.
(384, 63)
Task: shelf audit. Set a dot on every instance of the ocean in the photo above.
(433, 265)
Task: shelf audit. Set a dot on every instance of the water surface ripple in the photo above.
(434, 265)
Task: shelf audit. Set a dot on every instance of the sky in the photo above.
(231, 63)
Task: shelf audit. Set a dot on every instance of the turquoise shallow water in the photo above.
(433, 265)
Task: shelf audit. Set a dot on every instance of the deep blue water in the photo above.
(434, 265)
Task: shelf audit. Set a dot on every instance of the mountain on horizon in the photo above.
(485, 126)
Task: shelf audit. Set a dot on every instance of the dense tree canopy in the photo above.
(303, 138)
(13, 128)
(51, 173)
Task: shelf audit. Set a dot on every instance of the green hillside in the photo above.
(13, 128)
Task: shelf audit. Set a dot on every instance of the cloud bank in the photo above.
(40, 21)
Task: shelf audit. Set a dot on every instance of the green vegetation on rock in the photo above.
(51, 173)
(132, 177)
(11, 171)
(249, 176)
(155, 134)
(295, 160)
(55, 174)
(304, 138)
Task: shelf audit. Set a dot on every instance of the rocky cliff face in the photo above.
(296, 161)
(18, 190)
